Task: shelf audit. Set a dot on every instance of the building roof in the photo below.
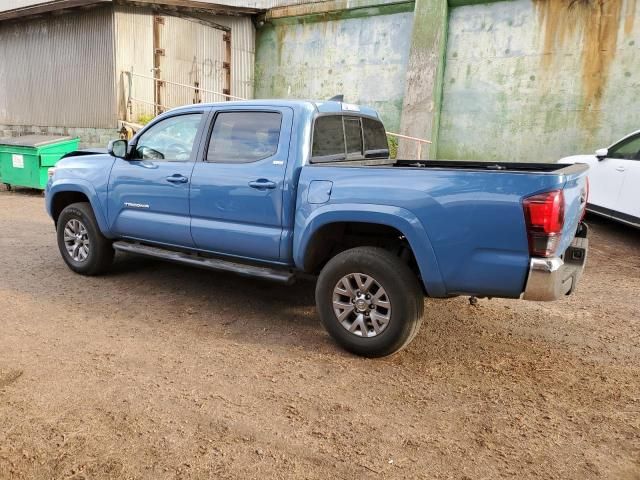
(25, 8)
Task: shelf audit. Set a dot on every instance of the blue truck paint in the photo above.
(466, 227)
(87, 175)
(472, 222)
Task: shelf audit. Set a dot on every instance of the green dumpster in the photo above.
(24, 161)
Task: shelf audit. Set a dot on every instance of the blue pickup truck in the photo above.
(278, 189)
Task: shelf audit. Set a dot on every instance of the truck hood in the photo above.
(94, 169)
(97, 161)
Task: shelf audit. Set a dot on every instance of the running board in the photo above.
(283, 276)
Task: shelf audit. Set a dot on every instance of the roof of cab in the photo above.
(321, 106)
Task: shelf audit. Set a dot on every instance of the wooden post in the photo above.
(158, 52)
(226, 65)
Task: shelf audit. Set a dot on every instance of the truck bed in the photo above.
(471, 232)
(496, 166)
(530, 167)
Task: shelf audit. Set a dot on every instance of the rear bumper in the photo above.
(553, 278)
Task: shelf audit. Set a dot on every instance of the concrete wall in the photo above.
(361, 53)
(423, 91)
(538, 80)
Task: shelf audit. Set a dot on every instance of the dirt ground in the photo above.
(157, 371)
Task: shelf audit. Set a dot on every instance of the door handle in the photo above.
(177, 178)
(262, 184)
(620, 169)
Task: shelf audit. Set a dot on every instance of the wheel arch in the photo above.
(309, 232)
(61, 195)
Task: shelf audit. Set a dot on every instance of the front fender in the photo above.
(309, 222)
(80, 186)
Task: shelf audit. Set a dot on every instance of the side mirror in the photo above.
(117, 148)
(602, 153)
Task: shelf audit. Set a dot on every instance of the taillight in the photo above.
(544, 214)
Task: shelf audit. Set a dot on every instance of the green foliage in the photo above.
(393, 146)
(145, 118)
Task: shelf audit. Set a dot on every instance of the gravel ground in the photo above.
(157, 371)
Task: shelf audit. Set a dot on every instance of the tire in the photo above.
(394, 327)
(78, 218)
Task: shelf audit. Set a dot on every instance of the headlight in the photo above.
(51, 172)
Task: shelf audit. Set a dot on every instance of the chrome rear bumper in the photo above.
(553, 278)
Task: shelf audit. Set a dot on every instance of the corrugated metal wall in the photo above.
(243, 54)
(134, 49)
(58, 71)
(194, 52)
(197, 59)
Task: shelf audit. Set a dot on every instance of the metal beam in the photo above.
(36, 8)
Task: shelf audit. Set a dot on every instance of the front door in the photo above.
(149, 192)
(237, 190)
(607, 176)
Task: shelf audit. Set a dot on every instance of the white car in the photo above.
(614, 179)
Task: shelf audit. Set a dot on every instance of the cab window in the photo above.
(328, 138)
(244, 137)
(171, 139)
(344, 137)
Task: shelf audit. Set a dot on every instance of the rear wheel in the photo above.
(369, 301)
(82, 246)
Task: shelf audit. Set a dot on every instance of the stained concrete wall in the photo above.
(361, 53)
(538, 80)
(423, 91)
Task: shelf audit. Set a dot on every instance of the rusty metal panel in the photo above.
(243, 39)
(201, 56)
(196, 60)
(58, 71)
(134, 50)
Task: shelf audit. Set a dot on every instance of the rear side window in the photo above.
(353, 136)
(244, 137)
(375, 137)
(328, 136)
(341, 137)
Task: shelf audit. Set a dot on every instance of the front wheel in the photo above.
(369, 301)
(82, 245)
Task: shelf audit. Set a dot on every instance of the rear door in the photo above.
(149, 192)
(628, 202)
(237, 190)
(607, 176)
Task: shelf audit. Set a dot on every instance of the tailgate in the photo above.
(575, 201)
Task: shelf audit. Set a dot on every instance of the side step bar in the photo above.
(283, 276)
